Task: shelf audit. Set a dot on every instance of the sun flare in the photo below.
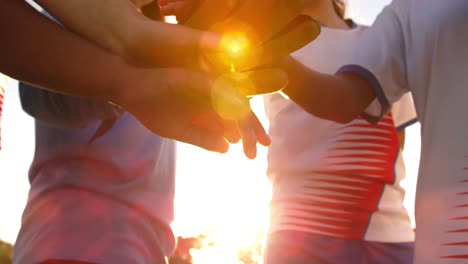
(235, 50)
(225, 197)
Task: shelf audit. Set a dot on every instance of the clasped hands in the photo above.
(206, 103)
(254, 34)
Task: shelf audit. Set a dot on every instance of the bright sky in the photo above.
(216, 193)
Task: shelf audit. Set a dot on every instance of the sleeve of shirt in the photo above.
(380, 58)
(403, 112)
(64, 111)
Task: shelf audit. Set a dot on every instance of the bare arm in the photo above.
(42, 53)
(117, 25)
(340, 98)
(39, 52)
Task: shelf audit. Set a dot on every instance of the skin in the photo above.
(347, 95)
(323, 11)
(349, 91)
(86, 73)
(118, 26)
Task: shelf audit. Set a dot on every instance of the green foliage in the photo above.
(6, 253)
(182, 254)
(253, 253)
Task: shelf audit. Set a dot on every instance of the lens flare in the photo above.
(235, 44)
(235, 49)
(242, 81)
(227, 100)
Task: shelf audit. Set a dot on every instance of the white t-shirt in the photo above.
(106, 201)
(340, 180)
(422, 46)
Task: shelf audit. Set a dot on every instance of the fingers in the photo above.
(200, 88)
(227, 100)
(274, 15)
(252, 131)
(260, 133)
(231, 132)
(249, 129)
(208, 130)
(223, 103)
(298, 33)
(279, 28)
(206, 139)
(249, 139)
(211, 121)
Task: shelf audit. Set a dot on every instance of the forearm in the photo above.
(39, 52)
(340, 98)
(105, 22)
(162, 44)
(118, 26)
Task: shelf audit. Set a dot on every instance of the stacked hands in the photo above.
(249, 44)
(197, 90)
(250, 40)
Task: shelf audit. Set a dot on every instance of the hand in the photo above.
(140, 39)
(185, 106)
(249, 41)
(251, 38)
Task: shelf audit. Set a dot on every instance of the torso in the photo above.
(332, 179)
(118, 191)
(437, 48)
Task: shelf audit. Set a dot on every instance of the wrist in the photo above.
(124, 77)
(123, 30)
(138, 43)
